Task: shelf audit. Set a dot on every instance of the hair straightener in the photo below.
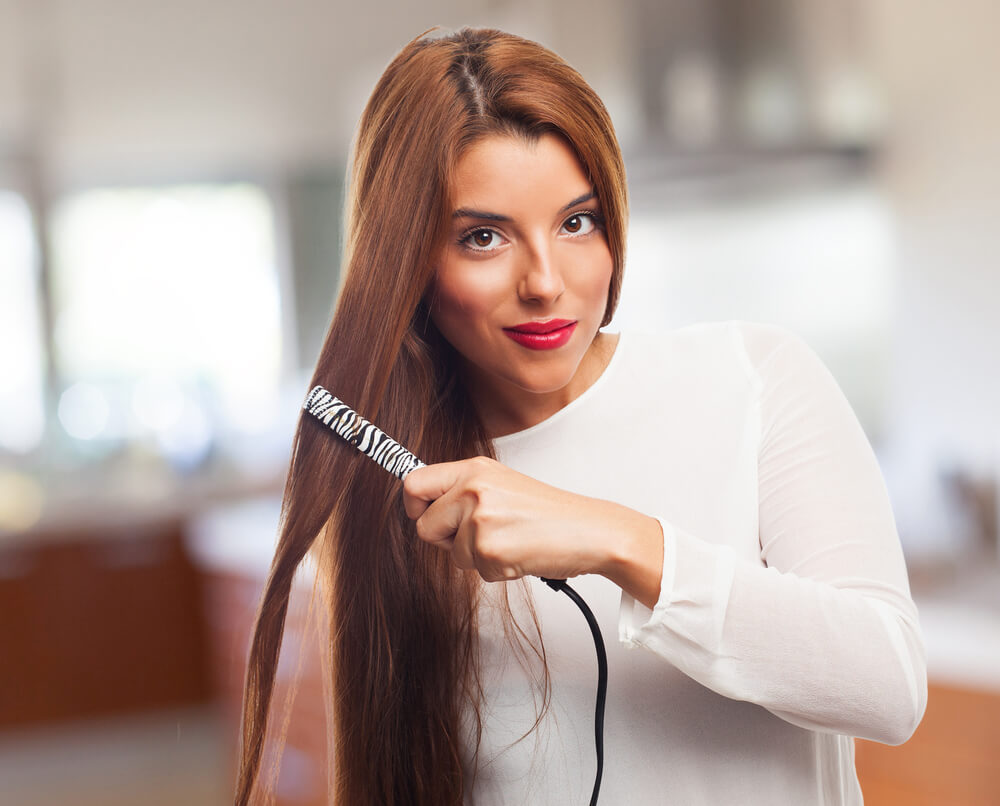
(400, 462)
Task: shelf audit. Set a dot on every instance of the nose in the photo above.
(541, 277)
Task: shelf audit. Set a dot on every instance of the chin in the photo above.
(546, 382)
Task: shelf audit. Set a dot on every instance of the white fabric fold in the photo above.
(784, 624)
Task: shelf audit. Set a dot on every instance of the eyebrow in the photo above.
(466, 212)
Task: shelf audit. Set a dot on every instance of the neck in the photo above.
(507, 409)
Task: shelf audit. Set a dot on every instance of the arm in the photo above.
(825, 634)
(506, 525)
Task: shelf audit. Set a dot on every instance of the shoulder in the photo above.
(764, 367)
(707, 359)
(727, 354)
(749, 343)
(763, 342)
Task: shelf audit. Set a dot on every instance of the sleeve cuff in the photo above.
(634, 617)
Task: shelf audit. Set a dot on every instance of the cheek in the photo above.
(462, 299)
(603, 278)
(597, 281)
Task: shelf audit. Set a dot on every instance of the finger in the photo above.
(463, 552)
(426, 484)
(467, 553)
(415, 507)
(441, 521)
(430, 482)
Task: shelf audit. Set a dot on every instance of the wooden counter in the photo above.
(953, 759)
(94, 624)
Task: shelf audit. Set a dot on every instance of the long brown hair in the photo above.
(403, 637)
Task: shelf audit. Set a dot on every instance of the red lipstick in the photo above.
(547, 335)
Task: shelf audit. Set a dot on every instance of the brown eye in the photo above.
(481, 240)
(580, 224)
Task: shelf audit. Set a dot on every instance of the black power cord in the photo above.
(602, 677)
(393, 457)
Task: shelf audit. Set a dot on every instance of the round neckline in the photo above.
(572, 405)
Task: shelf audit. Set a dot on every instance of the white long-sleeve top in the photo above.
(784, 625)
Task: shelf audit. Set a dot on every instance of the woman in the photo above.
(710, 488)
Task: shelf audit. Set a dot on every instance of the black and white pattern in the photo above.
(360, 433)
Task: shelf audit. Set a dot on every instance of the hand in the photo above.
(507, 525)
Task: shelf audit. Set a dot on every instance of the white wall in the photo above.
(939, 65)
(157, 88)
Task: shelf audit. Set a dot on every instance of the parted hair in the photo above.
(402, 644)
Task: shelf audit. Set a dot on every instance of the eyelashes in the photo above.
(468, 240)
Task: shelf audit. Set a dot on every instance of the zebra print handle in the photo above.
(360, 433)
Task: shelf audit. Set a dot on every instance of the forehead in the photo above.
(504, 169)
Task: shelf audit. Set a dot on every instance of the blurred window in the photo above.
(21, 367)
(167, 315)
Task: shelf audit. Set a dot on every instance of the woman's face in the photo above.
(522, 282)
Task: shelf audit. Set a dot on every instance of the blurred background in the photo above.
(171, 186)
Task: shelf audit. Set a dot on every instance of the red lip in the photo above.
(541, 327)
(546, 335)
